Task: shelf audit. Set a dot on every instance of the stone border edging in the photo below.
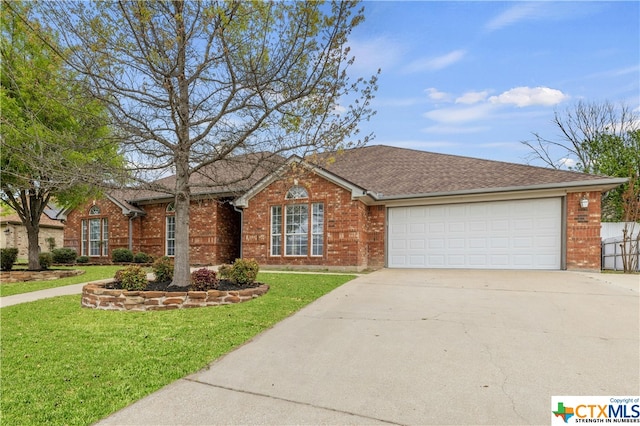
(96, 296)
(16, 276)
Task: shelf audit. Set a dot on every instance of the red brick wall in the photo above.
(583, 232)
(214, 230)
(214, 236)
(345, 225)
(118, 226)
(376, 218)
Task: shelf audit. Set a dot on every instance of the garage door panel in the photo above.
(521, 234)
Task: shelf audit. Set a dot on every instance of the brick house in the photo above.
(367, 208)
(13, 234)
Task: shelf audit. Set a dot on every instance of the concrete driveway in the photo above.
(422, 347)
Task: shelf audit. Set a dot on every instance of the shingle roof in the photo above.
(45, 221)
(231, 176)
(391, 171)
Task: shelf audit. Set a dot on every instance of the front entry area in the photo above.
(515, 234)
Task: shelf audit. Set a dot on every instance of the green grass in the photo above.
(92, 273)
(63, 364)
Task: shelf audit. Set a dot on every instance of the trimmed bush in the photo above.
(82, 259)
(122, 255)
(224, 271)
(8, 257)
(163, 269)
(46, 259)
(204, 279)
(64, 255)
(244, 271)
(132, 278)
(141, 258)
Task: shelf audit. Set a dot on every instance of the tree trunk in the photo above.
(33, 234)
(182, 271)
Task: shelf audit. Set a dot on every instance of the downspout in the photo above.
(241, 225)
(135, 215)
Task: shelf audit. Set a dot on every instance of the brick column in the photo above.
(583, 231)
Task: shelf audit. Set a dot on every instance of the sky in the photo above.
(478, 78)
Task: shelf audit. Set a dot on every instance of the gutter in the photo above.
(135, 215)
(606, 184)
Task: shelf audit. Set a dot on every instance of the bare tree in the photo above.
(582, 127)
(194, 83)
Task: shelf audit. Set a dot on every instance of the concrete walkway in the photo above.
(421, 347)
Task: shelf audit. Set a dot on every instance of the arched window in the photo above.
(296, 192)
(297, 229)
(94, 239)
(171, 208)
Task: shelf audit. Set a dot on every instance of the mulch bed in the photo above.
(223, 285)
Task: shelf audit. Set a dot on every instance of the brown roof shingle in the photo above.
(391, 171)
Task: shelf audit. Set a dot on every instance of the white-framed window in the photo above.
(83, 238)
(317, 229)
(297, 229)
(296, 225)
(171, 231)
(276, 230)
(296, 192)
(94, 237)
(94, 234)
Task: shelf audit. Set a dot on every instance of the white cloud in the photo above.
(514, 14)
(527, 96)
(435, 63)
(376, 53)
(567, 162)
(472, 97)
(459, 115)
(436, 95)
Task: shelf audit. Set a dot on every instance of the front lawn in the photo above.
(92, 273)
(63, 364)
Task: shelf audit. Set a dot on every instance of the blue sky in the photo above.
(477, 78)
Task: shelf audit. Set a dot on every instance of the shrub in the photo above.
(132, 278)
(163, 269)
(64, 255)
(51, 243)
(141, 258)
(82, 259)
(204, 279)
(8, 257)
(224, 271)
(46, 259)
(244, 271)
(122, 255)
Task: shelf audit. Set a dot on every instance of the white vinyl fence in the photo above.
(611, 245)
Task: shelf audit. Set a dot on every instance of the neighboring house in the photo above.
(13, 234)
(366, 208)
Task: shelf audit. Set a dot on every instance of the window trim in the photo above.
(272, 234)
(310, 207)
(296, 234)
(166, 236)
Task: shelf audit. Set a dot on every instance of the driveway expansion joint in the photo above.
(291, 401)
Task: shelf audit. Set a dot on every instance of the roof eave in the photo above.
(597, 184)
(243, 201)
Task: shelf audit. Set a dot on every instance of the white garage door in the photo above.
(522, 234)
